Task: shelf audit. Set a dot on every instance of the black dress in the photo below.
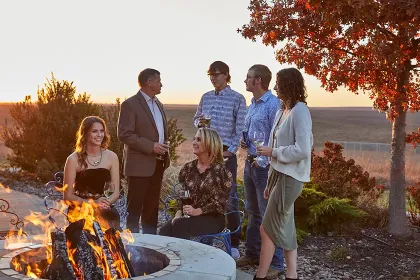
(90, 183)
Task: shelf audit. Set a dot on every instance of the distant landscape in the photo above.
(351, 124)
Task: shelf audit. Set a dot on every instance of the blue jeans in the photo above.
(255, 181)
(232, 205)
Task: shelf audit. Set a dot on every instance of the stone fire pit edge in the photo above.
(188, 259)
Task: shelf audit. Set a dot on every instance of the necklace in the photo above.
(96, 162)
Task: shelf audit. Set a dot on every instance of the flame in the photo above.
(71, 253)
(16, 264)
(127, 236)
(35, 273)
(84, 211)
(5, 189)
(16, 240)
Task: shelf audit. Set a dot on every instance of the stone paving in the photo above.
(21, 204)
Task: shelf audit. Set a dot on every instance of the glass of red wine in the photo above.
(186, 200)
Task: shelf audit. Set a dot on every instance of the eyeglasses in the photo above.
(198, 139)
(214, 75)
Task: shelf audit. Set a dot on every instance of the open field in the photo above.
(329, 124)
(339, 124)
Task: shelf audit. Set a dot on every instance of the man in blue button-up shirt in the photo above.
(258, 123)
(226, 108)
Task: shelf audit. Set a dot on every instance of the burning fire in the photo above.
(84, 211)
(16, 241)
(5, 189)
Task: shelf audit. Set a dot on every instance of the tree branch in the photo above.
(386, 32)
(414, 66)
(334, 48)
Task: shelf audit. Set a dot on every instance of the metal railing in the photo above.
(371, 146)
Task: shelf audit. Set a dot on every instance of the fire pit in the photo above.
(152, 257)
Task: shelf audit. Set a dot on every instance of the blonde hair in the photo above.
(212, 144)
(81, 138)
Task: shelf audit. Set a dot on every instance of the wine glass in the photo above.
(259, 138)
(186, 200)
(161, 157)
(205, 120)
(109, 189)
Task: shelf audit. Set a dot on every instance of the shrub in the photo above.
(301, 235)
(332, 212)
(110, 114)
(43, 133)
(175, 139)
(413, 200)
(335, 176)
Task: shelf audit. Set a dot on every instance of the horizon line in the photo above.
(190, 105)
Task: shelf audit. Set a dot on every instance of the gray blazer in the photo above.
(137, 130)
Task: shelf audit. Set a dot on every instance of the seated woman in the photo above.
(87, 170)
(208, 182)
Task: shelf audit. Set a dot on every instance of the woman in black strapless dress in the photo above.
(87, 170)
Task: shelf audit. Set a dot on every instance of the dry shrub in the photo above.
(413, 199)
(336, 176)
(375, 204)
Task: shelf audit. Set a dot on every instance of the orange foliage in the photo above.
(366, 46)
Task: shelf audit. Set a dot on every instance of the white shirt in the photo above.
(157, 115)
(292, 143)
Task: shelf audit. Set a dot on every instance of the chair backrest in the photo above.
(241, 203)
(54, 187)
(55, 191)
(168, 198)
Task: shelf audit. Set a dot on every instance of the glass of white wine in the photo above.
(259, 138)
(109, 189)
(204, 120)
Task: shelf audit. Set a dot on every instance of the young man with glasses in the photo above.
(225, 108)
(258, 121)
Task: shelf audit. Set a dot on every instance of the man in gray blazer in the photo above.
(142, 127)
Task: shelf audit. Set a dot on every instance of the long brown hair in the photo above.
(81, 138)
(291, 86)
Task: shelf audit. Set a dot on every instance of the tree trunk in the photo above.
(398, 224)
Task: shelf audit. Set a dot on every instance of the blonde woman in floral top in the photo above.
(208, 182)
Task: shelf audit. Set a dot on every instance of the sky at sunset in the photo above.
(103, 45)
